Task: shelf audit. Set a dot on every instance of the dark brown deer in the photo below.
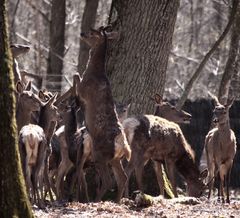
(220, 148)
(108, 138)
(155, 138)
(35, 150)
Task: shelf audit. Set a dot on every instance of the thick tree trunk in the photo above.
(138, 60)
(88, 20)
(231, 66)
(56, 51)
(14, 201)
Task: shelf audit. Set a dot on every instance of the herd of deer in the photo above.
(59, 136)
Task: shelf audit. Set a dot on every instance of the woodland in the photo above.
(119, 108)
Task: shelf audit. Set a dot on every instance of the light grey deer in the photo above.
(220, 148)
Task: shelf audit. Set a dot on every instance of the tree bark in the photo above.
(88, 20)
(233, 57)
(196, 74)
(56, 51)
(14, 201)
(137, 61)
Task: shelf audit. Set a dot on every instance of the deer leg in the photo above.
(171, 173)
(159, 175)
(104, 174)
(139, 176)
(51, 175)
(120, 177)
(82, 184)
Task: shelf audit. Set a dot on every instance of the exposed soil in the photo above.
(178, 207)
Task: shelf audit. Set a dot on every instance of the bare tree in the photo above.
(88, 20)
(231, 65)
(14, 200)
(138, 59)
(57, 38)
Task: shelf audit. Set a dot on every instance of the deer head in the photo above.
(18, 49)
(166, 110)
(96, 37)
(26, 98)
(122, 110)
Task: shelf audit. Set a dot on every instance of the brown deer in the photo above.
(27, 103)
(220, 148)
(168, 111)
(155, 138)
(35, 150)
(108, 138)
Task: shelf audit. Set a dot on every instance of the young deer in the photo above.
(35, 150)
(27, 103)
(108, 138)
(220, 148)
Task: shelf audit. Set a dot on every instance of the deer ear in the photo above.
(215, 99)
(230, 102)
(52, 99)
(19, 87)
(158, 98)
(204, 174)
(28, 86)
(112, 35)
(41, 95)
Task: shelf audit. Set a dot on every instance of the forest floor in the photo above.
(159, 207)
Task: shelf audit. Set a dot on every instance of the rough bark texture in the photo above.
(14, 201)
(56, 52)
(138, 59)
(232, 63)
(88, 20)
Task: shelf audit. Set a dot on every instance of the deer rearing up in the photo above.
(108, 138)
(220, 147)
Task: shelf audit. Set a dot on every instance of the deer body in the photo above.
(220, 147)
(152, 137)
(33, 142)
(108, 138)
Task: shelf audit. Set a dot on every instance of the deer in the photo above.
(27, 103)
(17, 50)
(168, 111)
(155, 138)
(33, 140)
(93, 89)
(220, 149)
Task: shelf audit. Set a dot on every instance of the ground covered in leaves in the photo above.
(178, 207)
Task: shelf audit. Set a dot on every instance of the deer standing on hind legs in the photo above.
(220, 147)
(108, 138)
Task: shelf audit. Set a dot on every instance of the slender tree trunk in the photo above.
(88, 20)
(138, 60)
(56, 51)
(14, 201)
(233, 57)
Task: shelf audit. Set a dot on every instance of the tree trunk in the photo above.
(88, 20)
(138, 60)
(233, 57)
(14, 200)
(56, 51)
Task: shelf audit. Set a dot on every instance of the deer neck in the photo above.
(96, 61)
(23, 116)
(225, 127)
(44, 121)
